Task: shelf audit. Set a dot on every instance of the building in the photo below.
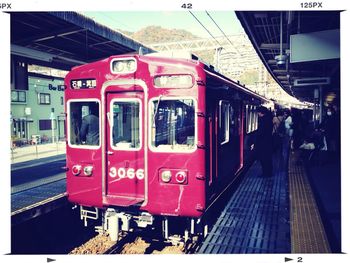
(37, 111)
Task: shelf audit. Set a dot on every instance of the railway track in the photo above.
(146, 242)
(133, 243)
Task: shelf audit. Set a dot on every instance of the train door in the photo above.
(224, 136)
(236, 136)
(125, 175)
(211, 153)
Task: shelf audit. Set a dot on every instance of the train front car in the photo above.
(135, 151)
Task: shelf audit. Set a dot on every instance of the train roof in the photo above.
(186, 59)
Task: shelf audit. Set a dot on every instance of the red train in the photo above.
(154, 140)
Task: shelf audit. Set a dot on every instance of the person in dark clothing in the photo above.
(263, 143)
(278, 131)
(331, 126)
(89, 131)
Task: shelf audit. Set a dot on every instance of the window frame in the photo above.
(50, 122)
(226, 121)
(112, 121)
(18, 96)
(251, 118)
(45, 94)
(150, 121)
(255, 118)
(83, 146)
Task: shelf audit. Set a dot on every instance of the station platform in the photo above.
(38, 200)
(34, 194)
(277, 214)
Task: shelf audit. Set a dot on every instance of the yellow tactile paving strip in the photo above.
(307, 230)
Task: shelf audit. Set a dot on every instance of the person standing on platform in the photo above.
(263, 143)
(278, 131)
(288, 122)
(331, 125)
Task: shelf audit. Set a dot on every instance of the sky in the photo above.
(136, 20)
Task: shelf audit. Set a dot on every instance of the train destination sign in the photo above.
(83, 83)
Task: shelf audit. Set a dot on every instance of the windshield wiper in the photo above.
(155, 112)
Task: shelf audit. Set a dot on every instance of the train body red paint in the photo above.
(170, 135)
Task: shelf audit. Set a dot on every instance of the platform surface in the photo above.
(256, 218)
(36, 195)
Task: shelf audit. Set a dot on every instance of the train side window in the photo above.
(252, 119)
(172, 124)
(84, 123)
(125, 129)
(224, 121)
(247, 119)
(255, 119)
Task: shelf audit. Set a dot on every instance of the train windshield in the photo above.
(84, 123)
(173, 124)
(126, 125)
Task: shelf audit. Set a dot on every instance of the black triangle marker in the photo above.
(287, 259)
(50, 260)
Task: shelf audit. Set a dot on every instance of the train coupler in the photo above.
(115, 222)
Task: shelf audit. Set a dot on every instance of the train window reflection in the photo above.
(84, 123)
(224, 121)
(251, 118)
(173, 124)
(126, 125)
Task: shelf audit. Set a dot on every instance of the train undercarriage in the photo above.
(170, 228)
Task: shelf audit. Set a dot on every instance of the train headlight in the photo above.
(181, 177)
(76, 169)
(88, 170)
(131, 65)
(122, 66)
(166, 176)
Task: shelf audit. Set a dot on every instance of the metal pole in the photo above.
(26, 130)
(281, 33)
(52, 131)
(12, 153)
(165, 228)
(321, 103)
(217, 55)
(316, 101)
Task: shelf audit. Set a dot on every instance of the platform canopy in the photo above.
(65, 39)
(300, 49)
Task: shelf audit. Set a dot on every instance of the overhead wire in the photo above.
(205, 28)
(212, 19)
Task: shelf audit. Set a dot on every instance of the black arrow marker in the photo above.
(50, 260)
(287, 259)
